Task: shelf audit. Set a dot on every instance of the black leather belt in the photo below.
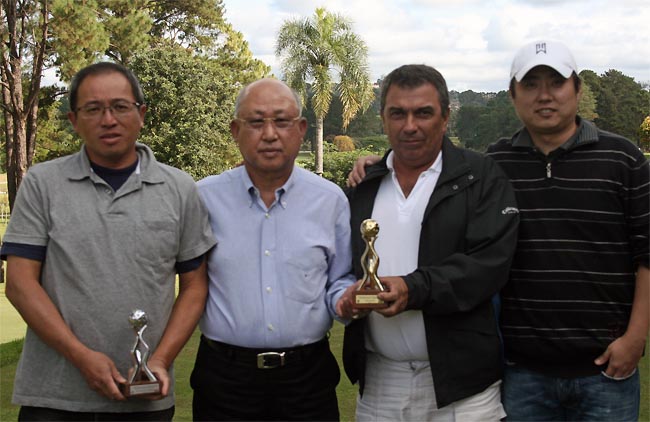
(266, 358)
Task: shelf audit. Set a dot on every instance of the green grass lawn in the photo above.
(346, 392)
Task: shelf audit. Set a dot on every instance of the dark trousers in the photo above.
(29, 413)
(227, 387)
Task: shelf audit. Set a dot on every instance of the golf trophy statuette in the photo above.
(142, 381)
(366, 294)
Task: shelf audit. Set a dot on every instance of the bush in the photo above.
(336, 165)
(377, 144)
(343, 143)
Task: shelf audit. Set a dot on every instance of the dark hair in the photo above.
(577, 82)
(413, 76)
(99, 68)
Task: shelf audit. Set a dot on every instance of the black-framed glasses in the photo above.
(119, 108)
(277, 122)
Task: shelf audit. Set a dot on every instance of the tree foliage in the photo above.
(471, 98)
(55, 136)
(363, 124)
(587, 103)
(67, 35)
(478, 126)
(622, 104)
(311, 50)
(644, 135)
(75, 47)
(190, 101)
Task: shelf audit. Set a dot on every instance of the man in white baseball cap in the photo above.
(553, 54)
(575, 310)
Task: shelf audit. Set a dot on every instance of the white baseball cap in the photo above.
(553, 54)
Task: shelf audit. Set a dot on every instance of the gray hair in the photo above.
(244, 91)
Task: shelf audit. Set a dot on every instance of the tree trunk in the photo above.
(9, 134)
(319, 146)
(20, 110)
(17, 167)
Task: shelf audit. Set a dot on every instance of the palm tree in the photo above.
(313, 49)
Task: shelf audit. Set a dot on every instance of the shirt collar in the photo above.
(436, 166)
(148, 168)
(585, 133)
(280, 193)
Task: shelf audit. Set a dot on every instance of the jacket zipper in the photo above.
(548, 170)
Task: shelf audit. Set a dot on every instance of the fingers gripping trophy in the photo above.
(142, 381)
(366, 294)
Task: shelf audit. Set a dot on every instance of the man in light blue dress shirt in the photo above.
(279, 275)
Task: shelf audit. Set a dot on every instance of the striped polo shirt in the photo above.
(583, 230)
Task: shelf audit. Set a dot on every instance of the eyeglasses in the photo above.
(120, 108)
(277, 122)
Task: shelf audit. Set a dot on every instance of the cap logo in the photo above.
(540, 48)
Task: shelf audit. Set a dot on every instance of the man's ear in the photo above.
(234, 129)
(72, 116)
(580, 92)
(302, 126)
(141, 112)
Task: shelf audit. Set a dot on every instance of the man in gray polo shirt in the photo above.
(92, 237)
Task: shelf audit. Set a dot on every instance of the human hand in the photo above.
(345, 306)
(159, 369)
(101, 374)
(622, 356)
(358, 171)
(396, 296)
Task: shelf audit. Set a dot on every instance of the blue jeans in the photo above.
(532, 396)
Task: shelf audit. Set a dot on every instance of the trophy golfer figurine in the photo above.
(142, 381)
(366, 294)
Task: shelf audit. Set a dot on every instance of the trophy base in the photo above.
(367, 298)
(141, 388)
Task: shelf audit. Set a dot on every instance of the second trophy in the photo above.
(366, 294)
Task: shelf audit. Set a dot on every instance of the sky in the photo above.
(471, 42)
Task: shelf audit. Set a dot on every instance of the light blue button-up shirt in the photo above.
(277, 272)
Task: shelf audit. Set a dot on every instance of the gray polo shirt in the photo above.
(108, 253)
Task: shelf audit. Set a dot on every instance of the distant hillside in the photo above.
(469, 98)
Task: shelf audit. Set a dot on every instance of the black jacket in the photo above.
(469, 234)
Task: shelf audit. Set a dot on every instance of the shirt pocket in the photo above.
(306, 272)
(157, 242)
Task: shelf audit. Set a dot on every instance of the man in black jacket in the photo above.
(448, 228)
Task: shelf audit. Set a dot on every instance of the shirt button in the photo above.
(268, 289)
(267, 252)
(267, 215)
(455, 187)
(470, 177)
(270, 327)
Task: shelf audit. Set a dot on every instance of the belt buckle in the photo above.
(270, 360)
